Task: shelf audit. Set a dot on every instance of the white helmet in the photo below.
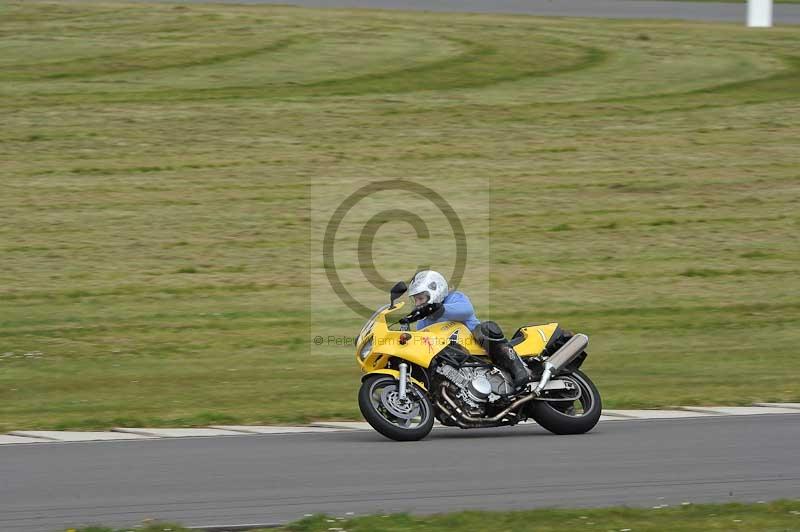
(431, 282)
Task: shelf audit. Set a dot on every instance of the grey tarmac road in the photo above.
(278, 478)
(623, 9)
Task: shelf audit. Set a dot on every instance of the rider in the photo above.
(433, 300)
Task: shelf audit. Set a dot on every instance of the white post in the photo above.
(759, 13)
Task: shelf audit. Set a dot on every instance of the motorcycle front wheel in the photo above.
(380, 404)
(570, 417)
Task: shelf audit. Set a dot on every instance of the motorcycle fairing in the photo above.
(535, 338)
(420, 347)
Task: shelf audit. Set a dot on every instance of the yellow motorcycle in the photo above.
(440, 372)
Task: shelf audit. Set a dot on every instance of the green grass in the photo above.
(768, 517)
(157, 162)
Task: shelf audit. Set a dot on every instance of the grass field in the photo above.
(772, 517)
(156, 161)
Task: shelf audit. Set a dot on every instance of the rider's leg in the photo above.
(502, 353)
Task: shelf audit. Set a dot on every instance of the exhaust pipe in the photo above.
(568, 352)
(484, 421)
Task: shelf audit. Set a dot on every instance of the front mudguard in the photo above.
(394, 373)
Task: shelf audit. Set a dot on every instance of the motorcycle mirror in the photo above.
(397, 291)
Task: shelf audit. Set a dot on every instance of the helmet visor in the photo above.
(420, 298)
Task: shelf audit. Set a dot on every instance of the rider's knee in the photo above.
(488, 332)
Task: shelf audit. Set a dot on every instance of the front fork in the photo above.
(403, 386)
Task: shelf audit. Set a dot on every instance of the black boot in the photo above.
(491, 338)
(509, 360)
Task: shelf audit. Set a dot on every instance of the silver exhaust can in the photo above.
(561, 358)
(568, 352)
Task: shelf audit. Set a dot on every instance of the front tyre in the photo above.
(570, 417)
(380, 404)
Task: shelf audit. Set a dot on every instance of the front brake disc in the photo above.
(390, 399)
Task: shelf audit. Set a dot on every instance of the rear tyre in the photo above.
(380, 404)
(570, 417)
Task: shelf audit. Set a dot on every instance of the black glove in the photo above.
(421, 312)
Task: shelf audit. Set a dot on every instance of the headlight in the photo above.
(365, 351)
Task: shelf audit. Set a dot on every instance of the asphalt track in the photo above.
(622, 9)
(278, 478)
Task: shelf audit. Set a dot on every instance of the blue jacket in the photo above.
(457, 307)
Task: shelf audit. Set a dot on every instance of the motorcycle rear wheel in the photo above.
(379, 402)
(569, 418)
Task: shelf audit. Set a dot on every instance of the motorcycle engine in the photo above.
(477, 385)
